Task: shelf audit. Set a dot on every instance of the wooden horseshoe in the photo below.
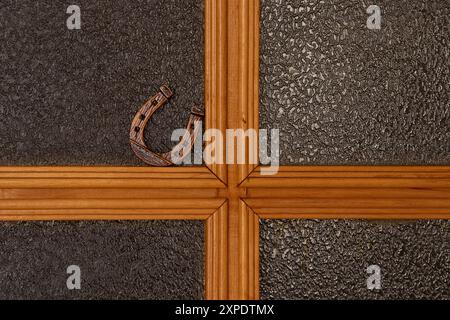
(182, 149)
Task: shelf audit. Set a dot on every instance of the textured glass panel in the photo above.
(344, 94)
(68, 96)
(118, 260)
(312, 259)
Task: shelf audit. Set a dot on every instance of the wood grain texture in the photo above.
(242, 113)
(232, 103)
(248, 253)
(104, 193)
(108, 209)
(217, 255)
(106, 177)
(351, 192)
(163, 193)
(353, 177)
(244, 65)
(216, 73)
(232, 73)
(107, 215)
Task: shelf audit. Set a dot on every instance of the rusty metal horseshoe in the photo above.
(140, 121)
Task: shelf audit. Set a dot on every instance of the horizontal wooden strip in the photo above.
(111, 204)
(348, 203)
(362, 175)
(109, 193)
(110, 183)
(406, 193)
(370, 214)
(115, 212)
(42, 216)
(351, 193)
(105, 175)
(360, 216)
(105, 169)
(275, 182)
(331, 169)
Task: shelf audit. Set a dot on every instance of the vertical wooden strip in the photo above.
(251, 254)
(216, 65)
(233, 174)
(241, 81)
(242, 122)
(243, 71)
(234, 245)
(209, 62)
(255, 245)
(217, 255)
(218, 77)
(222, 107)
(248, 254)
(210, 257)
(250, 84)
(254, 108)
(223, 256)
(244, 266)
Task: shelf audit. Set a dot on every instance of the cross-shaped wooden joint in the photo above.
(231, 199)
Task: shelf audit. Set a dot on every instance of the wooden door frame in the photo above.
(231, 199)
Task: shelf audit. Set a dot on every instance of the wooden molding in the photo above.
(232, 72)
(351, 192)
(217, 255)
(248, 255)
(216, 68)
(242, 113)
(95, 209)
(106, 177)
(221, 258)
(99, 193)
(243, 72)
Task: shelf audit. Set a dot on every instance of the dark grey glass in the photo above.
(341, 93)
(118, 260)
(328, 259)
(67, 97)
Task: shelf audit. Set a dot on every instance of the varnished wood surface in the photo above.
(217, 255)
(106, 177)
(351, 192)
(242, 113)
(216, 74)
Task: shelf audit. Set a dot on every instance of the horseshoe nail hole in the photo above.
(142, 117)
(137, 129)
(155, 102)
